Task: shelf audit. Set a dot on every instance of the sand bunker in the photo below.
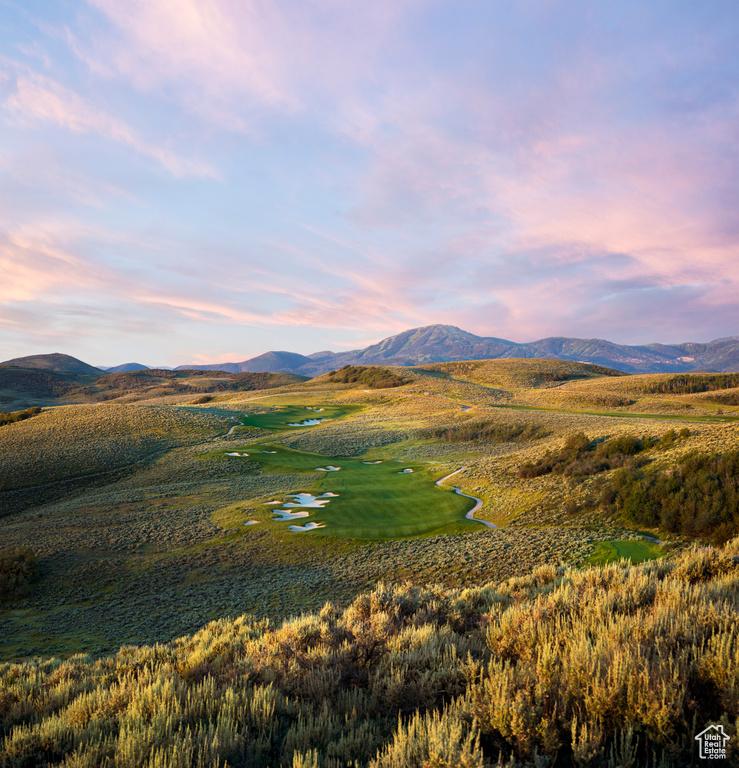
(237, 454)
(269, 451)
(306, 527)
(405, 471)
(317, 410)
(328, 468)
(372, 462)
(306, 500)
(302, 500)
(251, 522)
(274, 501)
(306, 423)
(285, 514)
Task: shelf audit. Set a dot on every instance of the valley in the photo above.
(152, 518)
(136, 509)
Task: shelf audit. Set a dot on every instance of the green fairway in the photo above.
(374, 501)
(635, 551)
(284, 417)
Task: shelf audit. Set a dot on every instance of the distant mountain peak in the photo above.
(54, 361)
(127, 368)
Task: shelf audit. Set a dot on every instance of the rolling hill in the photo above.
(24, 387)
(56, 362)
(126, 368)
(272, 362)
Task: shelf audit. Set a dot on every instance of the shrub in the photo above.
(555, 668)
(580, 457)
(689, 383)
(11, 417)
(697, 497)
(19, 570)
(485, 431)
(368, 376)
(726, 398)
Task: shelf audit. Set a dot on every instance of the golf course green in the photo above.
(286, 417)
(634, 551)
(382, 500)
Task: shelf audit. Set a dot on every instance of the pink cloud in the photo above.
(38, 99)
(227, 60)
(34, 264)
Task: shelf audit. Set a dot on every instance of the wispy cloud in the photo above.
(227, 61)
(33, 264)
(38, 99)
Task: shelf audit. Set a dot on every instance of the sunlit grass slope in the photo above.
(374, 501)
(608, 666)
(77, 440)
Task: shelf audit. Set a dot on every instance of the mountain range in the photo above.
(442, 343)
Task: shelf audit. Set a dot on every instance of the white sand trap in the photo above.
(306, 423)
(286, 514)
(272, 502)
(328, 494)
(309, 408)
(251, 522)
(306, 500)
(306, 527)
(237, 454)
(372, 462)
(269, 451)
(405, 471)
(328, 468)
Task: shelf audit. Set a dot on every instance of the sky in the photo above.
(200, 182)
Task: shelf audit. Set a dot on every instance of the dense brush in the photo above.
(610, 666)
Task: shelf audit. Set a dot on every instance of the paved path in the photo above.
(478, 502)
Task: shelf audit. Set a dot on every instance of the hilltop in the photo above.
(55, 362)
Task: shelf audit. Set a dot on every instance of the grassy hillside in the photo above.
(61, 448)
(555, 668)
(53, 362)
(21, 387)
